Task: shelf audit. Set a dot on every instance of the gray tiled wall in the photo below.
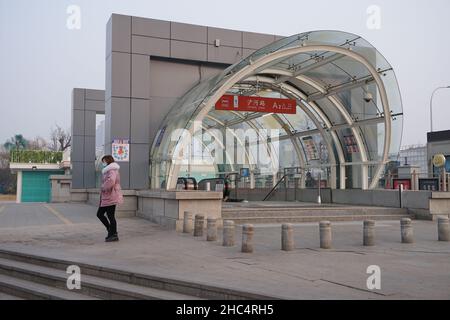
(150, 64)
(86, 104)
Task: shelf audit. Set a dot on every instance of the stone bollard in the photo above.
(287, 237)
(187, 222)
(325, 234)
(369, 233)
(443, 229)
(406, 229)
(228, 233)
(211, 229)
(199, 224)
(247, 238)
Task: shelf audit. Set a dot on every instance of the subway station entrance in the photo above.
(315, 110)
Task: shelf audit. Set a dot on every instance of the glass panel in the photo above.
(330, 110)
(373, 136)
(342, 71)
(396, 136)
(328, 75)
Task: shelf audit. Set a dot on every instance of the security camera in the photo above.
(368, 97)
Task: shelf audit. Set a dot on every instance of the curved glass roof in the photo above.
(347, 125)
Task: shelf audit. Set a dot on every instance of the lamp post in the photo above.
(431, 105)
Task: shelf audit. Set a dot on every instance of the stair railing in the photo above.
(274, 187)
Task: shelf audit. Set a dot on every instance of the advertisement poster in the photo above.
(350, 144)
(121, 150)
(405, 182)
(431, 184)
(311, 149)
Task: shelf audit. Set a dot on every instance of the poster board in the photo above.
(121, 150)
(406, 184)
(430, 184)
(311, 149)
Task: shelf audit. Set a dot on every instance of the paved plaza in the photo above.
(408, 271)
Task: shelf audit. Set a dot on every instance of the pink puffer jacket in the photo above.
(111, 192)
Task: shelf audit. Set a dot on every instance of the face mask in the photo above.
(104, 165)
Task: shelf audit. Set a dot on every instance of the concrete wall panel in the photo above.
(150, 27)
(139, 173)
(89, 149)
(120, 122)
(78, 99)
(89, 123)
(159, 106)
(231, 38)
(188, 50)
(168, 79)
(188, 32)
(89, 175)
(229, 55)
(77, 151)
(78, 179)
(151, 46)
(77, 122)
(140, 117)
(119, 37)
(93, 94)
(96, 105)
(253, 40)
(140, 76)
(120, 64)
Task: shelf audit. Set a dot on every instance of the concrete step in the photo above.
(299, 219)
(34, 291)
(307, 212)
(90, 285)
(7, 297)
(101, 273)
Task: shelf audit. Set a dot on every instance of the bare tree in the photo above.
(4, 158)
(60, 139)
(38, 143)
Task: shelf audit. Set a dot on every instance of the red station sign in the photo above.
(256, 104)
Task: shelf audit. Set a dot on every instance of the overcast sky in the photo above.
(41, 60)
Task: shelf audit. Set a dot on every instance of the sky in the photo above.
(41, 59)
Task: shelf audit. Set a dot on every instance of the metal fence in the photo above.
(35, 156)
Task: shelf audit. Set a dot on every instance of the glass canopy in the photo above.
(347, 125)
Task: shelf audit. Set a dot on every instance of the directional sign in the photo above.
(256, 104)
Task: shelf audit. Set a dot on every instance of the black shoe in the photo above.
(112, 238)
(109, 234)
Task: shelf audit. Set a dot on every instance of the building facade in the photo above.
(316, 104)
(415, 155)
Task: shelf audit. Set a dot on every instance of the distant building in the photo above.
(415, 155)
(35, 169)
(438, 142)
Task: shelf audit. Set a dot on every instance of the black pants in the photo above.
(110, 223)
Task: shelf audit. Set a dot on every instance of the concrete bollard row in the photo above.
(325, 234)
(369, 233)
(247, 238)
(287, 232)
(287, 237)
(228, 233)
(199, 224)
(406, 230)
(443, 229)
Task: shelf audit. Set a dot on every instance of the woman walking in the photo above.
(110, 196)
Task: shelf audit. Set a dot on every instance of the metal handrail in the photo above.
(274, 187)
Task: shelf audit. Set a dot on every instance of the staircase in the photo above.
(293, 214)
(40, 278)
